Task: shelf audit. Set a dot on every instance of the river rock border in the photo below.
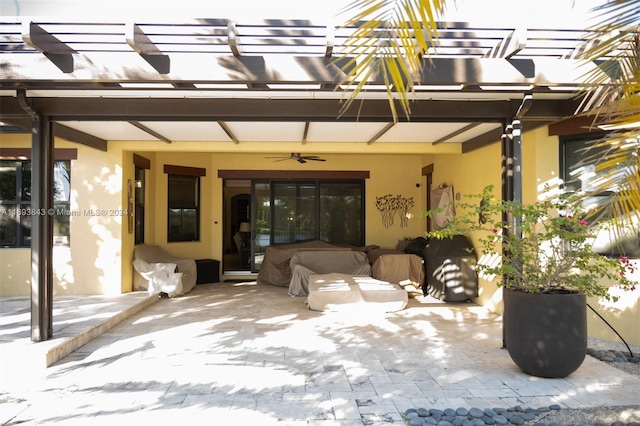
(473, 417)
(489, 416)
(611, 355)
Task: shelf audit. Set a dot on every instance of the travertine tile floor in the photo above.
(238, 353)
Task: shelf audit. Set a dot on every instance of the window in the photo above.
(577, 178)
(184, 208)
(139, 205)
(15, 202)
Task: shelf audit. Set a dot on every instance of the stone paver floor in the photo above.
(238, 353)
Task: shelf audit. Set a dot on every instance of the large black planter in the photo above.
(545, 334)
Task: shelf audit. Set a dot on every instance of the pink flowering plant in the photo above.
(547, 245)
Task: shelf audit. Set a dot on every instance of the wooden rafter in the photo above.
(53, 49)
(141, 44)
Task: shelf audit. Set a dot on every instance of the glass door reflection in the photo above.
(260, 222)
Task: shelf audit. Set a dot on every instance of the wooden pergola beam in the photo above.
(53, 49)
(142, 44)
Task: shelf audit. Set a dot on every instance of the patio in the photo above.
(238, 353)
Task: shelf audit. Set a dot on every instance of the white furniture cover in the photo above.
(153, 265)
(344, 292)
(161, 277)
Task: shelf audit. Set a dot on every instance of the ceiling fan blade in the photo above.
(299, 158)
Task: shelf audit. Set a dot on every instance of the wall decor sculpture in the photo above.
(389, 205)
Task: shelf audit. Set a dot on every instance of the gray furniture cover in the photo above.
(303, 264)
(275, 268)
(399, 268)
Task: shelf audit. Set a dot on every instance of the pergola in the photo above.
(217, 79)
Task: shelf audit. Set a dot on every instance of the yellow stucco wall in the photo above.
(469, 174)
(91, 264)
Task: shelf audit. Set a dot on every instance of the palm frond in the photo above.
(612, 96)
(611, 89)
(615, 160)
(388, 45)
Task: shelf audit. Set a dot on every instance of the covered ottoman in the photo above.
(304, 264)
(344, 292)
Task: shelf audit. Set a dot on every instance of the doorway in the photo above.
(236, 225)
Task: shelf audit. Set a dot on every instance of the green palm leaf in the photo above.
(388, 46)
(612, 96)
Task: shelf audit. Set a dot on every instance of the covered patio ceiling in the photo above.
(274, 81)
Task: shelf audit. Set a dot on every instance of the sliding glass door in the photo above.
(341, 212)
(260, 222)
(287, 212)
(294, 212)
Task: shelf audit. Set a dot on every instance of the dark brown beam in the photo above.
(378, 135)
(574, 126)
(24, 122)
(59, 131)
(481, 141)
(495, 136)
(210, 109)
(184, 170)
(292, 174)
(56, 51)
(149, 131)
(456, 133)
(59, 154)
(509, 46)
(139, 42)
(228, 131)
(141, 162)
(232, 38)
(73, 135)
(305, 133)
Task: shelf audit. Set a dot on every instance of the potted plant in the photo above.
(541, 254)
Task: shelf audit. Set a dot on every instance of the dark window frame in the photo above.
(608, 244)
(320, 184)
(139, 204)
(180, 210)
(19, 210)
(141, 165)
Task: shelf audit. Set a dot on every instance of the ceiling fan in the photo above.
(299, 158)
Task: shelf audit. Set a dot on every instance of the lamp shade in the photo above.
(245, 227)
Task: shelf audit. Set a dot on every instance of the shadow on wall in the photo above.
(93, 265)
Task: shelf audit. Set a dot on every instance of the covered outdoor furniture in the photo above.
(399, 268)
(344, 292)
(161, 277)
(304, 264)
(156, 270)
(275, 268)
(451, 276)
